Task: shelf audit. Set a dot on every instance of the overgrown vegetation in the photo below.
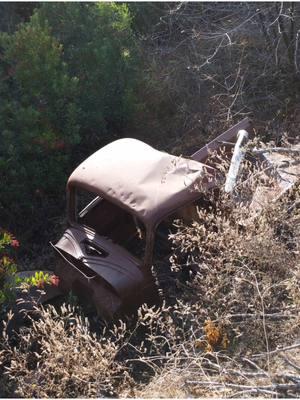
(74, 76)
(10, 281)
(229, 318)
(67, 87)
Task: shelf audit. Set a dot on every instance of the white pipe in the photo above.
(237, 158)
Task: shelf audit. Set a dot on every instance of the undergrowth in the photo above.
(228, 325)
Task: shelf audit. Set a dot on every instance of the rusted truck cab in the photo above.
(116, 200)
(121, 204)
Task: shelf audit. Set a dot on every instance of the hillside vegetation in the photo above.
(76, 76)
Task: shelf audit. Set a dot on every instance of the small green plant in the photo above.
(8, 267)
(9, 280)
(40, 279)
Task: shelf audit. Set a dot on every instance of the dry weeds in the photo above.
(241, 301)
(58, 356)
(229, 324)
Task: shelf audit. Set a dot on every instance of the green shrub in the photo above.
(67, 77)
(100, 51)
(38, 123)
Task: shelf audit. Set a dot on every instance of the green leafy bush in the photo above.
(67, 77)
(37, 120)
(100, 52)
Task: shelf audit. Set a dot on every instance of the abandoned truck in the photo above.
(120, 203)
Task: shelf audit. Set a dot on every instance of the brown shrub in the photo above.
(59, 357)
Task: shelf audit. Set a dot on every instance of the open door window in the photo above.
(111, 221)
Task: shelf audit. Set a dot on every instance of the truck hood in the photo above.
(116, 265)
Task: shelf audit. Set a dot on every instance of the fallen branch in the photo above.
(275, 150)
(258, 315)
(294, 346)
(243, 392)
(278, 387)
(291, 363)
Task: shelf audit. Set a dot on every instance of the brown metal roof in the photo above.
(145, 181)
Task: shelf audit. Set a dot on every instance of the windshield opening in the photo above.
(111, 221)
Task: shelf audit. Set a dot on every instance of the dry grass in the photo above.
(58, 356)
(229, 325)
(241, 303)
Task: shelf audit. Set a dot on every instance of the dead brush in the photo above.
(242, 257)
(245, 291)
(232, 331)
(59, 357)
